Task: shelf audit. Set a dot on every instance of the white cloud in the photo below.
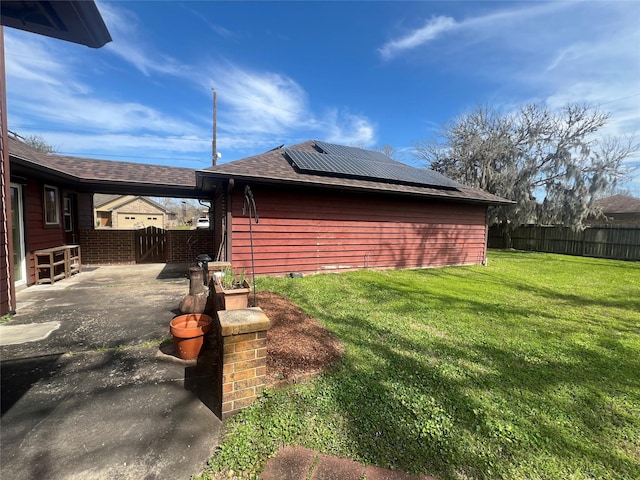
(45, 95)
(123, 145)
(349, 129)
(216, 28)
(553, 52)
(50, 91)
(432, 29)
(263, 109)
(129, 44)
(258, 102)
(491, 24)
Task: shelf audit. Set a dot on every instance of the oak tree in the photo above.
(552, 165)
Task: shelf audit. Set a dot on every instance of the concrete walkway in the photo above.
(298, 463)
(86, 391)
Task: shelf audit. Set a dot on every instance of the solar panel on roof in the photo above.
(358, 166)
(352, 152)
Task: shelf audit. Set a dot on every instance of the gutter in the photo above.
(201, 175)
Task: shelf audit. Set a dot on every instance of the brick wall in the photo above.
(183, 246)
(243, 371)
(106, 247)
(111, 246)
(243, 337)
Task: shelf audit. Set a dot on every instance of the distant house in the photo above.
(325, 208)
(618, 210)
(126, 212)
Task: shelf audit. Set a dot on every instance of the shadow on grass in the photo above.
(435, 417)
(480, 406)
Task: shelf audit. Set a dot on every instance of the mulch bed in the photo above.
(298, 346)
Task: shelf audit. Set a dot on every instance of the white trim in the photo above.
(20, 268)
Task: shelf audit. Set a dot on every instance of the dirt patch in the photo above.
(298, 346)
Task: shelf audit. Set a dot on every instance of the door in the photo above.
(17, 232)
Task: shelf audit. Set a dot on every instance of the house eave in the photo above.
(70, 20)
(202, 177)
(22, 167)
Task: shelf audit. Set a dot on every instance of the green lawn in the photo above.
(528, 368)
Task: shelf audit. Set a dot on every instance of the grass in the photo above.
(528, 368)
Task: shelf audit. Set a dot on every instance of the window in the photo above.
(51, 207)
(68, 217)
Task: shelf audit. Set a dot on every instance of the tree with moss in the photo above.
(552, 165)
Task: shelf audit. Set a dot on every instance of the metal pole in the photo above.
(214, 146)
(250, 203)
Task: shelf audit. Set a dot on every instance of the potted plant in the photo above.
(232, 290)
(188, 333)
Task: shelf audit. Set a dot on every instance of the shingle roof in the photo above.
(274, 167)
(619, 204)
(102, 171)
(100, 199)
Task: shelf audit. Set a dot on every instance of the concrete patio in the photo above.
(87, 392)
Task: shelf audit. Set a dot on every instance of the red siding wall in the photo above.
(37, 236)
(316, 232)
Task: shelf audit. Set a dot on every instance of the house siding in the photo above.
(312, 232)
(37, 235)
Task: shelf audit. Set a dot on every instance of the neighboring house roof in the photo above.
(618, 204)
(88, 174)
(102, 200)
(330, 166)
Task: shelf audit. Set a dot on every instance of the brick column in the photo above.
(244, 357)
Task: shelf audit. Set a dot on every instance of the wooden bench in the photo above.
(57, 263)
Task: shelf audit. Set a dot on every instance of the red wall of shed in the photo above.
(37, 235)
(326, 232)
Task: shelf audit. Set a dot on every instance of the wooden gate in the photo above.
(151, 245)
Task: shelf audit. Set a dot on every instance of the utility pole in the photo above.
(214, 147)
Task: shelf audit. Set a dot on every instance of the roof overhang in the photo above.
(73, 21)
(24, 168)
(209, 182)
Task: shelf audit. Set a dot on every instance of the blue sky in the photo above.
(354, 73)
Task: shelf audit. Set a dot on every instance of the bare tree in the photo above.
(39, 143)
(389, 151)
(551, 164)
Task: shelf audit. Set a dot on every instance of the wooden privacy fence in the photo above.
(618, 242)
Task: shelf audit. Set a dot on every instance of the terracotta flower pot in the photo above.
(188, 334)
(234, 298)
